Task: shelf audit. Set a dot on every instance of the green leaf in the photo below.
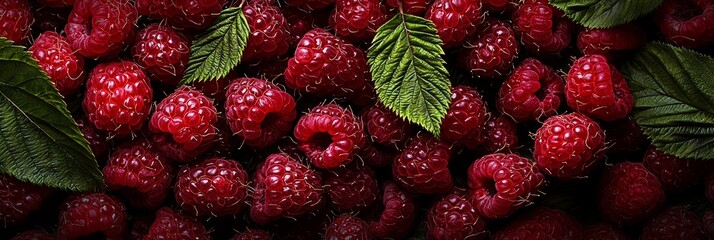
(674, 99)
(40, 141)
(409, 72)
(605, 13)
(219, 49)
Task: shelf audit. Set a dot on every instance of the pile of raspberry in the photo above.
(538, 141)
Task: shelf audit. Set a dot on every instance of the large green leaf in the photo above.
(40, 141)
(219, 49)
(674, 99)
(605, 13)
(409, 72)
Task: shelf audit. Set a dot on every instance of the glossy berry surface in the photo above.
(55, 56)
(597, 89)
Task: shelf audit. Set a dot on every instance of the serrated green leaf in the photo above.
(219, 49)
(409, 72)
(41, 143)
(674, 99)
(605, 13)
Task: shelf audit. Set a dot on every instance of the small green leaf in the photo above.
(605, 13)
(219, 49)
(40, 141)
(409, 72)
(674, 99)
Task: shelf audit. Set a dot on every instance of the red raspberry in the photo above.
(284, 187)
(162, 52)
(569, 146)
(625, 135)
(613, 42)
(629, 193)
(171, 224)
(318, 66)
(603, 231)
(56, 3)
(15, 20)
(98, 141)
(675, 223)
(347, 227)
(64, 67)
(597, 89)
(490, 52)
(213, 187)
(540, 224)
(455, 20)
(269, 36)
(192, 14)
(500, 135)
(708, 223)
(465, 118)
(503, 183)
(358, 20)
(687, 23)
(252, 234)
(101, 28)
(309, 5)
(396, 215)
(330, 136)
(118, 98)
(351, 188)
(384, 126)
(533, 91)
(18, 199)
(414, 7)
(501, 5)
(453, 217)
(140, 173)
(258, 111)
(91, 213)
(423, 166)
(675, 174)
(543, 28)
(35, 234)
(709, 188)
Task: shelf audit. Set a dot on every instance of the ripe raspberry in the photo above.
(35, 234)
(309, 5)
(423, 166)
(708, 223)
(709, 188)
(603, 231)
(118, 98)
(503, 183)
(687, 23)
(162, 52)
(171, 224)
(64, 67)
(140, 173)
(455, 20)
(500, 135)
(56, 3)
(384, 126)
(490, 52)
(18, 199)
(258, 111)
(269, 37)
(213, 187)
(318, 67)
(569, 146)
(358, 20)
(330, 136)
(395, 218)
(90, 213)
(284, 187)
(629, 193)
(625, 135)
(675, 174)
(543, 28)
(597, 89)
(465, 119)
(98, 141)
(540, 224)
(533, 91)
(453, 217)
(675, 223)
(191, 14)
(414, 7)
(101, 28)
(347, 227)
(15, 20)
(352, 188)
(252, 234)
(613, 42)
